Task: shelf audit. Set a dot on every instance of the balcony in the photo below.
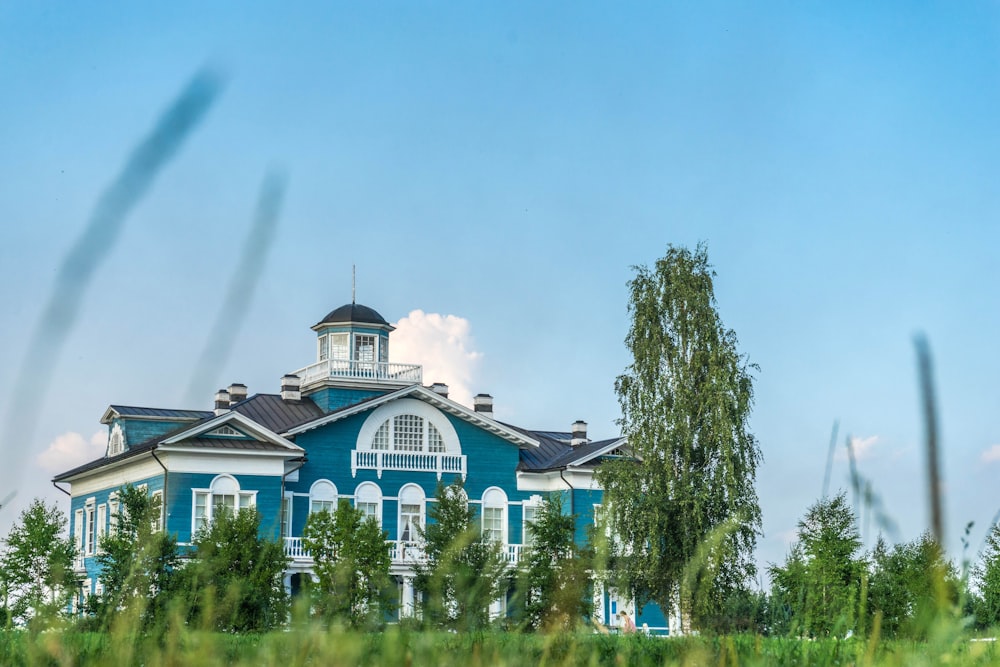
(400, 553)
(375, 372)
(409, 461)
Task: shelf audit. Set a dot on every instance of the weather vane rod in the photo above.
(354, 281)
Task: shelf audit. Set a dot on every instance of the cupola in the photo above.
(353, 333)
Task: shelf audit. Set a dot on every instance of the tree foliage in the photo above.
(36, 565)
(138, 563)
(351, 566)
(987, 579)
(686, 400)
(555, 580)
(465, 571)
(912, 583)
(234, 582)
(818, 590)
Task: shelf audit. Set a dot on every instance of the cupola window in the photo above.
(116, 440)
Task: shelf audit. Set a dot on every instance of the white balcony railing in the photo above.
(362, 459)
(400, 552)
(371, 371)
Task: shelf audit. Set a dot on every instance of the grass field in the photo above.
(316, 646)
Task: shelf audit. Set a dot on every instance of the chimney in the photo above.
(579, 433)
(483, 405)
(290, 388)
(221, 401)
(440, 388)
(237, 393)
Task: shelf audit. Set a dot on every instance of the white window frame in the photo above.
(494, 498)
(533, 504)
(321, 492)
(90, 527)
(411, 495)
(158, 521)
(116, 439)
(113, 505)
(78, 530)
(222, 485)
(408, 406)
(340, 346)
(102, 524)
(369, 493)
(287, 505)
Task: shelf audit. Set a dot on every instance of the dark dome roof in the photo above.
(353, 312)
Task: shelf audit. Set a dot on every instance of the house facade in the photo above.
(351, 425)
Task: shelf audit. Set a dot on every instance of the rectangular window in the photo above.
(339, 346)
(324, 348)
(321, 505)
(493, 523)
(383, 350)
(157, 507)
(368, 509)
(286, 516)
(91, 530)
(529, 520)
(409, 522)
(78, 530)
(200, 511)
(102, 523)
(364, 347)
(246, 500)
(408, 433)
(113, 513)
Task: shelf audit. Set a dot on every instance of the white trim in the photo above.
(414, 500)
(578, 478)
(221, 485)
(428, 396)
(378, 504)
(249, 426)
(600, 452)
(408, 406)
(496, 503)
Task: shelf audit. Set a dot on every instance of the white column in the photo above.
(406, 608)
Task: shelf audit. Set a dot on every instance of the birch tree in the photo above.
(684, 509)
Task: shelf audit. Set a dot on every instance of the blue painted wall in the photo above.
(334, 398)
(138, 431)
(180, 501)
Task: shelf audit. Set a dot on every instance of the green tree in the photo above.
(234, 583)
(911, 585)
(465, 571)
(36, 566)
(555, 579)
(138, 563)
(686, 400)
(351, 565)
(986, 576)
(821, 581)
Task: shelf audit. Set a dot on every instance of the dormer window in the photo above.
(116, 440)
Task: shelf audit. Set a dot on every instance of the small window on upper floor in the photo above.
(116, 440)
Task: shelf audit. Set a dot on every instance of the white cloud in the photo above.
(443, 345)
(72, 449)
(991, 455)
(863, 448)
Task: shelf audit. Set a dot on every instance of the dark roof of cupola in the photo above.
(353, 312)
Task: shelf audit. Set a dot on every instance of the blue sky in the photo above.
(506, 164)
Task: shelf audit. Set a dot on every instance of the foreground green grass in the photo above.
(313, 646)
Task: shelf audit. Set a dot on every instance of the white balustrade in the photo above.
(378, 461)
(400, 552)
(375, 371)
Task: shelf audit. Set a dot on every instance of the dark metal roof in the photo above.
(276, 414)
(131, 411)
(353, 312)
(555, 450)
(234, 443)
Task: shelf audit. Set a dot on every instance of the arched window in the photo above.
(223, 495)
(408, 433)
(116, 440)
(408, 425)
(368, 499)
(411, 512)
(494, 516)
(322, 496)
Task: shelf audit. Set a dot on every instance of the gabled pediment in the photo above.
(246, 429)
(426, 395)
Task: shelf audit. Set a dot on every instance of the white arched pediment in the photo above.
(409, 406)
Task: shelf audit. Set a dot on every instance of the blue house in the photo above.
(351, 425)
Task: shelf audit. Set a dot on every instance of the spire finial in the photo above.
(354, 282)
